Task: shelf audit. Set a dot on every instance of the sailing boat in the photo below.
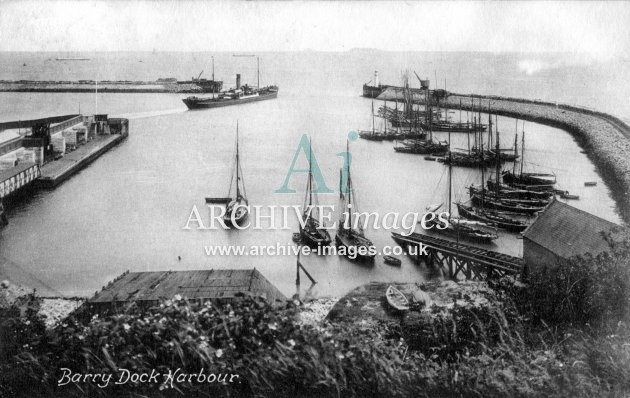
(489, 216)
(458, 227)
(312, 234)
(372, 135)
(534, 181)
(353, 239)
(419, 145)
(497, 201)
(237, 208)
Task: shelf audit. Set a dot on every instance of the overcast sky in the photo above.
(600, 27)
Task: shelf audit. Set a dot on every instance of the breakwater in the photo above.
(605, 138)
(91, 86)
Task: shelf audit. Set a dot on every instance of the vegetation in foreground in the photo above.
(564, 334)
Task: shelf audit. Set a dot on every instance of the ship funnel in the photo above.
(238, 81)
(376, 82)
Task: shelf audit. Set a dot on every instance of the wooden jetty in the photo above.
(458, 260)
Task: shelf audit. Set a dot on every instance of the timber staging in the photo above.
(605, 138)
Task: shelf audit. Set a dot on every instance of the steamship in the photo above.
(238, 95)
(373, 88)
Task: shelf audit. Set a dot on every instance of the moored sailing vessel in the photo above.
(352, 239)
(312, 233)
(535, 181)
(481, 213)
(373, 88)
(458, 227)
(237, 208)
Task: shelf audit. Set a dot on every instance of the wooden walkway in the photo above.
(459, 260)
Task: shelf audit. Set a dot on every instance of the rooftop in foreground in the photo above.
(213, 284)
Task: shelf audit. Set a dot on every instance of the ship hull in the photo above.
(207, 103)
(372, 91)
(471, 214)
(351, 245)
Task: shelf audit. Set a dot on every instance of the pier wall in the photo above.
(605, 138)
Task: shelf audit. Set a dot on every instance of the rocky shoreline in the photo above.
(52, 309)
(605, 138)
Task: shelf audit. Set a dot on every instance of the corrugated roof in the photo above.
(205, 284)
(568, 231)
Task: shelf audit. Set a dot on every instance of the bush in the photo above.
(582, 291)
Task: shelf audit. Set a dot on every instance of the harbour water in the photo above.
(127, 210)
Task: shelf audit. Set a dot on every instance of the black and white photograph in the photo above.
(314, 198)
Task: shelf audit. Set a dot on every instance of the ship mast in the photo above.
(523, 149)
(373, 132)
(498, 160)
(213, 68)
(384, 118)
(483, 177)
(450, 174)
(349, 186)
(310, 172)
(258, 71)
(238, 192)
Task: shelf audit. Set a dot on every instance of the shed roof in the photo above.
(567, 231)
(204, 284)
(13, 171)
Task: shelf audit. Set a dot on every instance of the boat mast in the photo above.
(523, 149)
(450, 174)
(213, 68)
(310, 172)
(373, 132)
(515, 153)
(258, 71)
(489, 129)
(498, 159)
(483, 177)
(384, 118)
(349, 186)
(238, 192)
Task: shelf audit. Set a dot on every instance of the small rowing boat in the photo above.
(396, 299)
(391, 260)
(567, 195)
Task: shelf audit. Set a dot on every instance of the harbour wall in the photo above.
(27, 86)
(605, 138)
(56, 172)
